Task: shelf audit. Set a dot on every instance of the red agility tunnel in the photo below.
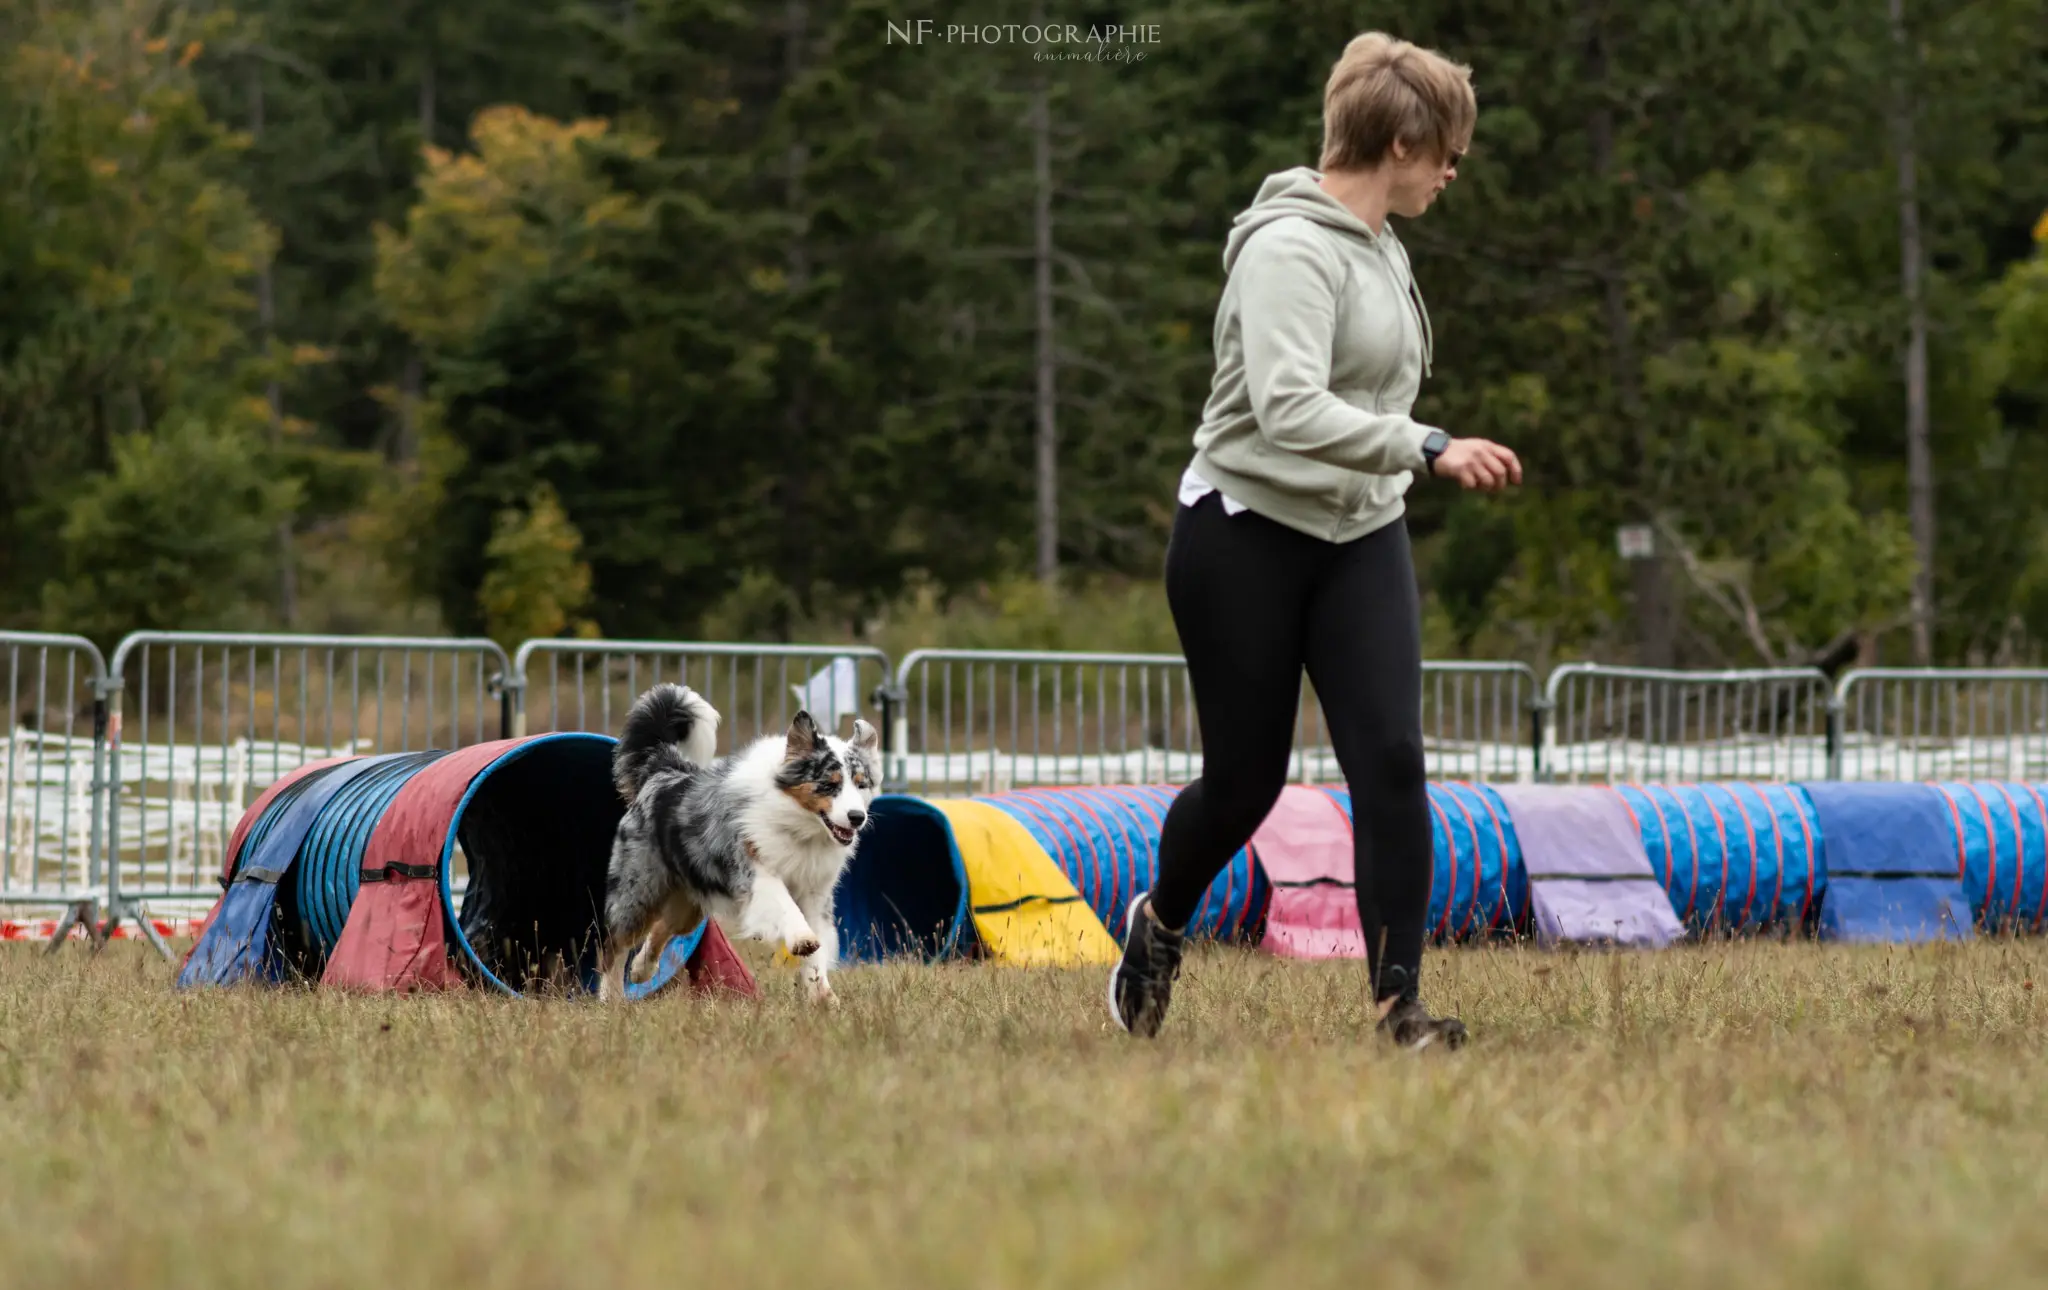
(359, 858)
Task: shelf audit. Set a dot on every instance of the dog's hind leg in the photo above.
(620, 933)
(676, 918)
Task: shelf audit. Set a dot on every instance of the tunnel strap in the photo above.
(1022, 901)
(396, 870)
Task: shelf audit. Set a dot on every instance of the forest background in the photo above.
(797, 319)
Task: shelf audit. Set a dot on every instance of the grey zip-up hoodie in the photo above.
(1322, 342)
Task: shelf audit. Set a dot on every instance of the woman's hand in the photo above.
(1479, 464)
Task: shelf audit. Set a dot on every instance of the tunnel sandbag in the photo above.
(715, 969)
(2002, 845)
(1477, 884)
(1733, 857)
(1106, 840)
(904, 893)
(248, 940)
(235, 942)
(1893, 868)
(1304, 846)
(256, 812)
(1590, 880)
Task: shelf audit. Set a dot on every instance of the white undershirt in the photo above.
(1193, 488)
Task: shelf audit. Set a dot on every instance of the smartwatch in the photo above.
(1433, 445)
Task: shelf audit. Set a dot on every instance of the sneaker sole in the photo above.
(1115, 1013)
(1430, 1036)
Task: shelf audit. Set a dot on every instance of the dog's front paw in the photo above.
(804, 947)
(819, 991)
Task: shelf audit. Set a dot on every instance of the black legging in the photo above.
(1255, 602)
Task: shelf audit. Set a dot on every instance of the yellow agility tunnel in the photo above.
(1032, 876)
(946, 878)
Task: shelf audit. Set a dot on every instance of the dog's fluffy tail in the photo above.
(671, 727)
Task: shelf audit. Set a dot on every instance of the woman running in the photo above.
(1289, 549)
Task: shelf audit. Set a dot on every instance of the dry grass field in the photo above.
(1719, 1116)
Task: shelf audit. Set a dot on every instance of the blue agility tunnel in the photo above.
(1107, 842)
(906, 891)
(2001, 847)
(327, 873)
(1733, 857)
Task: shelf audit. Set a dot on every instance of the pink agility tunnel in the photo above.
(1477, 886)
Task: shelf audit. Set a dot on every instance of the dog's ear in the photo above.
(866, 738)
(804, 738)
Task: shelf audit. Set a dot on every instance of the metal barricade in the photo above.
(1628, 725)
(757, 689)
(972, 721)
(1941, 723)
(1480, 720)
(52, 748)
(202, 722)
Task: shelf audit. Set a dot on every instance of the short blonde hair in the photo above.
(1383, 89)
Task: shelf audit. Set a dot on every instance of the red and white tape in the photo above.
(42, 929)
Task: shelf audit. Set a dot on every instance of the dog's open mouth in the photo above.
(840, 833)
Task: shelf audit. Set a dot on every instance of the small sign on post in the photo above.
(1636, 541)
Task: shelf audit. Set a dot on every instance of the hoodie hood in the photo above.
(1296, 192)
(1291, 192)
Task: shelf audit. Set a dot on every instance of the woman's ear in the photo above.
(1400, 150)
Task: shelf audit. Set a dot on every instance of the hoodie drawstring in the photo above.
(1428, 336)
(1421, 311)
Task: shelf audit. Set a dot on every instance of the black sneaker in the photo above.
(1410, 1025)
(1142, 984)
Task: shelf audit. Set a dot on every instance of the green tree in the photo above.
(176, 535)
(536, 585)
(347, 96)
(125, 254)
